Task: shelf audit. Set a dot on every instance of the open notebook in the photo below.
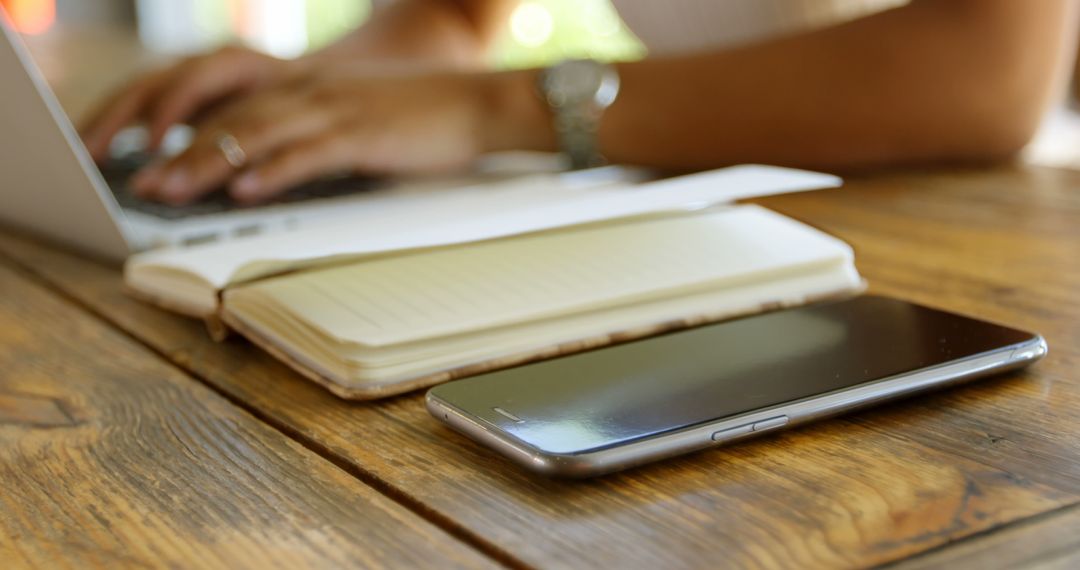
(375, 321)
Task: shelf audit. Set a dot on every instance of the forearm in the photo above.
(939, 80)
(935, 81)
(451, 33)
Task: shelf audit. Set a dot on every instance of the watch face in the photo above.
(578, 92)
(574, 82)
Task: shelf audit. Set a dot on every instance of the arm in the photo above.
(937, 80)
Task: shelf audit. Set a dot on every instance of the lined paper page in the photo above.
(436, 293)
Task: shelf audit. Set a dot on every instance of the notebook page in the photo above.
(436, 293)
(472, 214)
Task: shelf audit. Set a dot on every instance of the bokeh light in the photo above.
(531, 24)
(30, 16)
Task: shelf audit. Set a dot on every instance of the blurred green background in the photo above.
(539, 31)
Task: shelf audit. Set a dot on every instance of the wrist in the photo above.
(513, 116)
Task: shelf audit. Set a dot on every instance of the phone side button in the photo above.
(730, 433)
(771, 423)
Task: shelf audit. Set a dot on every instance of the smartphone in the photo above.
(617, 407)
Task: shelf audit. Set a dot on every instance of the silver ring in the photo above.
(232, 151)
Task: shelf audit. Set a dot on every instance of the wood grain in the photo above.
(867, 489)
(33, 410)
(110, 457)
(1046, 542)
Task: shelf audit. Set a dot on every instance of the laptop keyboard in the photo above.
(119, 171)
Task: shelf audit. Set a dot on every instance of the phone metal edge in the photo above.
(615, 458)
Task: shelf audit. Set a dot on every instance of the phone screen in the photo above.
(642, 389)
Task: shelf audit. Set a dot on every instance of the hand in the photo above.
(366, 124)
(181, 92)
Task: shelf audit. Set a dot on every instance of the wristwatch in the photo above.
(578, 91)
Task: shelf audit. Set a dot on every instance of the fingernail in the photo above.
(175, 184)
(246, 186)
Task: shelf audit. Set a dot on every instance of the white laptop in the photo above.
(51, 187)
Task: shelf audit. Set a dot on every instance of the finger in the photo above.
(203, 166)
(119, 110)
(186, 177)
(302, 162)
(147, 180)
(207, 81)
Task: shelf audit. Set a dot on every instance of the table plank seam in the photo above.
(1045, 515)
(366, 477)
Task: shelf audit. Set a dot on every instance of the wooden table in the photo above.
(127, 435)
(128, 438)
